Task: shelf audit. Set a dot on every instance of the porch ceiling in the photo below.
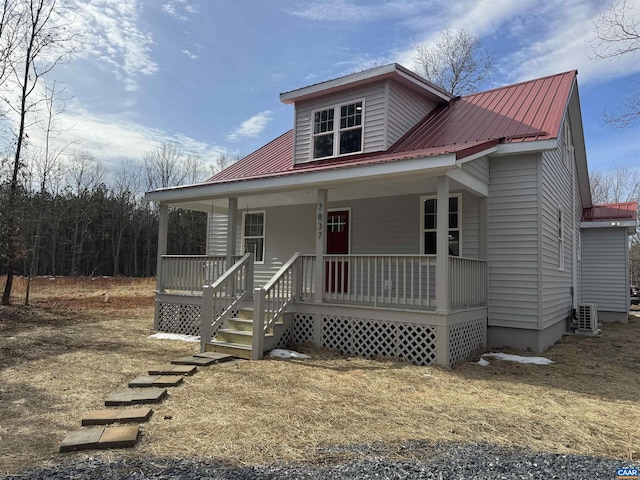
(355, 189)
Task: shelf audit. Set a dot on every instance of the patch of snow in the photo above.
(282, 353)
(175, 336)
(482, 362)
(514, 358)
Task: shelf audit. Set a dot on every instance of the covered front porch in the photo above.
(368, 267)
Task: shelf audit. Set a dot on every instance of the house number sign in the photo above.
(320, 220)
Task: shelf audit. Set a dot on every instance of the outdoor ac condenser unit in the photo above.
(588, 318)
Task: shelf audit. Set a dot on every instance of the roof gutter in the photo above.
(316, 179)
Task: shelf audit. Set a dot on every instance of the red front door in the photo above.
(337, 271)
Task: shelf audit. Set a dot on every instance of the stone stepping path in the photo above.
(159, 377)
(112, 415)
(133, 397)
(169, 369)
(202, 359)
(156, 381)
(100, 438)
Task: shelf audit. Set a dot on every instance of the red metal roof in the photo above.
(611, 211)
(526, 111)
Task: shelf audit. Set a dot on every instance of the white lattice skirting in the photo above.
(415, 343)
(465, 338)
(178, 318)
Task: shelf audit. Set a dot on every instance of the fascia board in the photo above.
(630, 225)
(302, 180)
(526, 147)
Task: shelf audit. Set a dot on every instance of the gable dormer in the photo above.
(363, 112)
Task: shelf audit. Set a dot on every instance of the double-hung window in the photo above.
(337, 130)
(560, 239)
(253, 234)
(430, 224)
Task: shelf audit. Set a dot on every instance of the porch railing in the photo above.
(380, 280)
(271, 301)
(188, 273)
(220, 300)
(467, 282)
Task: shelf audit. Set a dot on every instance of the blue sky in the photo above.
(207, 73)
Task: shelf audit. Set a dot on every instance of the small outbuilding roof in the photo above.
(611, 212)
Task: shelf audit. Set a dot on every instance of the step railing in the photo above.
(220, 300)
(271, 301)
(188, 273)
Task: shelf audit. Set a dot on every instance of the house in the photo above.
(396, 220)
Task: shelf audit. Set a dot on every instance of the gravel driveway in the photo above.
(427, 461)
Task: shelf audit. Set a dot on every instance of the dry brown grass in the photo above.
(62, 356)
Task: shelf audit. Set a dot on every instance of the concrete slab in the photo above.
(119, 437)
(156, 381)
(111, 415)
(81, 440)
(169, 369)
(199, 361)
(132, 397)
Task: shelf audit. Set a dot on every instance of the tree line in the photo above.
(75, 218)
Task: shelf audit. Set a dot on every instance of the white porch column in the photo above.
(232, 223)
(483, 230)
(163, 229)
(442, 245)
(321, 243)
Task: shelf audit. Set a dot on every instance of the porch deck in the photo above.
(368, 305)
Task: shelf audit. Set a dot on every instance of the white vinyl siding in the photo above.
(478, 168)
(406, 108)
(373, 124)
(556, 264)
(604, 268)
(513, 242)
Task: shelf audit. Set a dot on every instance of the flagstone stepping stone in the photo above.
(100, 438)
(111, 415)
(169, 369)
(156, 381)
(217, 356)
(199, 361)
(135, 396)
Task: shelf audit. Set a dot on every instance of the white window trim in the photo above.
(336, 129)
(264, 234)
(561, 245)
(342, 209)
(422, 229)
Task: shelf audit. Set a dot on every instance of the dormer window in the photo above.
(329, 141)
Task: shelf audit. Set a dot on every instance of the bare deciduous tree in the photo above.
(619, 184)
(456, 62)
(617, 35)
(42, 41)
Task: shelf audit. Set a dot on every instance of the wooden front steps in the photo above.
(236, 335)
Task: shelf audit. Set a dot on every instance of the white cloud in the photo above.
(180, 9)
(111, 35)
(253, 127)
(566, 46)
(112, 138)
(349, 11)
(189, 54)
